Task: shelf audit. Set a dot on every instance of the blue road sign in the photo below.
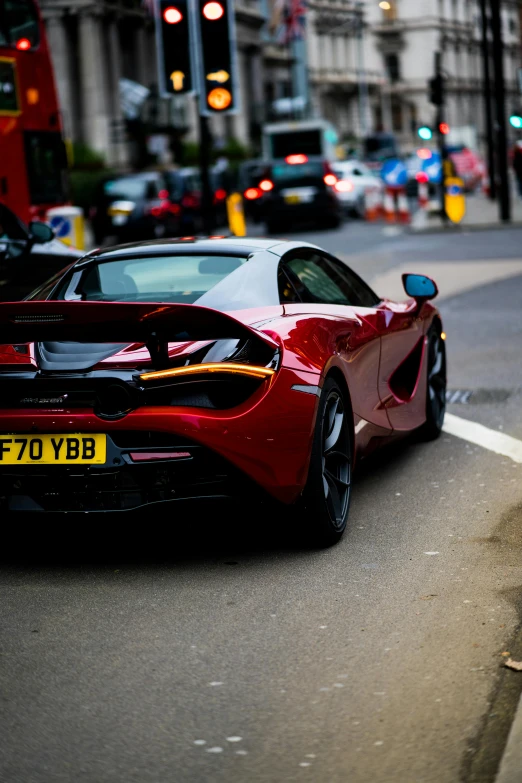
(394, 173)
(61, 225)
(433, 167)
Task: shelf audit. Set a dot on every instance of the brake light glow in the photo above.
(220, 194)
(229, 368)
(296, 159)
(330, 179)
(252, 193)
(23, 44)
(343, 186)
(266, 185)
(421, 177)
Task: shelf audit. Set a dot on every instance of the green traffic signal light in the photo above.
(425, 133)
(516, 120)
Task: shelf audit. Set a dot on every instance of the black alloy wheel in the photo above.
(326, 498)
(436, 386)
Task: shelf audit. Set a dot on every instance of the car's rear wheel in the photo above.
(436, 385)
(326, 498)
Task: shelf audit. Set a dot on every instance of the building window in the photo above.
(393, 67)
(389, 9)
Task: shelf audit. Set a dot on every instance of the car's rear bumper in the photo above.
(265, 442)
(323, 205)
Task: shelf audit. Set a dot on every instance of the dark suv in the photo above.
(134, 207)
(300, 189)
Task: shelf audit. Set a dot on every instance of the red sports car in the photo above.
(211, 368)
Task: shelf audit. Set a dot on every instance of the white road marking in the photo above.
(234, 739)
(483, 436)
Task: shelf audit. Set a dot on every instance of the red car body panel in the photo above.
(379, 353)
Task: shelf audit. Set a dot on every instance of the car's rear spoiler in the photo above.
(154, 325)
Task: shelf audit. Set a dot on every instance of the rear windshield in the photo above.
(292, 142)
(302, 174)
(154, 279)
(125, 188)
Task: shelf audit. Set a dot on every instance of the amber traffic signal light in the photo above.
(219, 88)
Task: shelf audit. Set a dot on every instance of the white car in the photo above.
(354, 178)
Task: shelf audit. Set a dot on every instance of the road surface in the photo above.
(208, 645)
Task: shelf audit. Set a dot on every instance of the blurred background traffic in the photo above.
(123, 120)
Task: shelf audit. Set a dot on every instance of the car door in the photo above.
(326, 287)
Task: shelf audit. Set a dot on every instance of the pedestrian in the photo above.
(517, 165)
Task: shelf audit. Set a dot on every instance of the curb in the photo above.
(510, 770)
(464, 228)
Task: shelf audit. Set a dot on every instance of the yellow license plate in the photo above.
(69, 449)
(293, 199)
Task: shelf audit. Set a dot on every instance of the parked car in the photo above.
(250, 174)
(209, 387)
(186, 190)
(29, 255)
(354, 180)
(300, 189)
(135, 207)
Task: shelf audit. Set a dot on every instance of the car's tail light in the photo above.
(294, 160)
(150, 456)
(220, 194)
(343, 186)
(330, 179)
(266, 185)
(421, 177)
(252, 193)
(229, 368)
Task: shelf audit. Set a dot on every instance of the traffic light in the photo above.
(219, 89)
(516, 120)
(436, 90)
(444, 128)
(174, 47)
(424, 132)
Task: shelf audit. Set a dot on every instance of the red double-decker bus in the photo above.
(33, 161)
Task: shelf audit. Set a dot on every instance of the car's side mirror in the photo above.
(420, 287)
(40, 233)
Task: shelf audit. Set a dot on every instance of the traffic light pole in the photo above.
(487, 102)
(205, 145)
(500, 101)
(440, 143)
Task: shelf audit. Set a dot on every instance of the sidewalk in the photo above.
(481, 213)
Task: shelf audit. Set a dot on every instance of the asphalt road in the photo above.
(208, 645)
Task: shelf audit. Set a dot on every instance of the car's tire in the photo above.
(436, 385)
(325, 502)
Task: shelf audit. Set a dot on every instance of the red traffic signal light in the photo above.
(444, 128)
(173, 47)
(213, 11)
(172, 15)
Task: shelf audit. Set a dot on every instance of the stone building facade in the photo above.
(390, 46)
(96, 44)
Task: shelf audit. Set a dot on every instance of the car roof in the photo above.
(192, 245)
